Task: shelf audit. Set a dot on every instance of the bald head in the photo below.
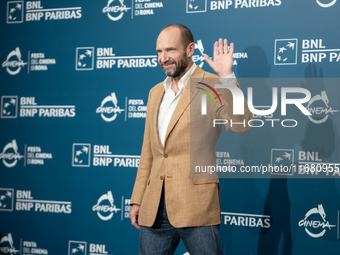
(183, 32)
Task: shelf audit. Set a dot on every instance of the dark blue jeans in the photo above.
(162, 238)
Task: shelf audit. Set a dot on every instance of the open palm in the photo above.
(223, 58)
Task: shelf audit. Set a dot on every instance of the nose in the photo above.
(163, 57)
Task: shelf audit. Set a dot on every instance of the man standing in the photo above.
(167, 204)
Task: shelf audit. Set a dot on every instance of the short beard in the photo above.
(179, 67)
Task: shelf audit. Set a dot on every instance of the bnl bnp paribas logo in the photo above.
(194, 6)
(312, 51)
(285, 52)
(246, 220)
(6, 199)
(102, 157)
(36, 12)
(9, 106)
(30, 108)
(84, 58)
(283, 161)
(7, 245)
(315, 223)
(81, 154)
(77, 248)
(13, 62)
(107, 59)
(80, 248)
(15, 12)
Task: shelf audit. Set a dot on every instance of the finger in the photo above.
(225, 46)
(215, 49)
(220, 46)
(231, 48)
(208, 60)
(137, 222)
(136, 225)
(134, 221)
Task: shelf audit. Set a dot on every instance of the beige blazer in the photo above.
(190, 199)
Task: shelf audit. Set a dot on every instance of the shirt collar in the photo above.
(183, 81)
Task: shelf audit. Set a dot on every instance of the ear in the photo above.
(190, 49)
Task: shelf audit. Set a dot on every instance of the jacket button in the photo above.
(161, 177)
(165, 155)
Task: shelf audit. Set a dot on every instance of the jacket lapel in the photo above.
(154, 115)
(188, 94)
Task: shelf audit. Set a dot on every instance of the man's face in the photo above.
(172, 56)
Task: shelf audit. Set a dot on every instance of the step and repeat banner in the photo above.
(75, 77)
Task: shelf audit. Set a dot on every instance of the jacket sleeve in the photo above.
(235, 123)
(145, 162)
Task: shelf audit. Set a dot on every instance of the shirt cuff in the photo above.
(230, 79)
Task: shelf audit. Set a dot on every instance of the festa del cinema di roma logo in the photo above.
(10, 154)
(199, 59)
(319, 107)
(105, 208)
(115, 9)
(13, 62)
(7, 245)
(108, 108)
(310, 224)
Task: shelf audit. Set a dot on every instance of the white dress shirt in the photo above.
(170, 101)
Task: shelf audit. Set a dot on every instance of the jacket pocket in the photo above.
(198, 181)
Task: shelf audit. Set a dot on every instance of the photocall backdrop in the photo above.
(75, 77)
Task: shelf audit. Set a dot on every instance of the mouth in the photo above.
(167, 65)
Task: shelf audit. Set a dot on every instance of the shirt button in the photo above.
(161, 177)
(165, 155)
